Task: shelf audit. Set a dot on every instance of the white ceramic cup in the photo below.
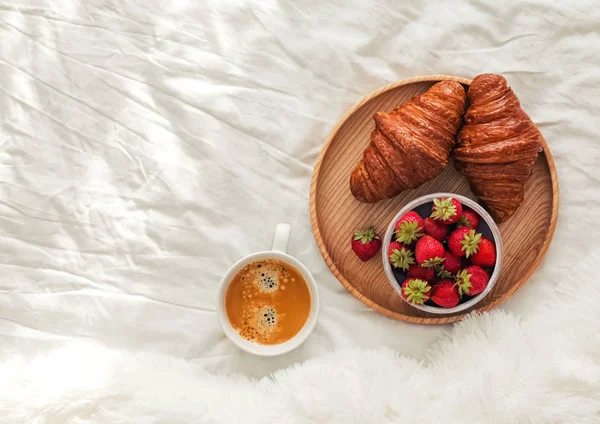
(278, 251)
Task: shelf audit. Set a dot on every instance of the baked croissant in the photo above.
(497, 146)
(411, 144)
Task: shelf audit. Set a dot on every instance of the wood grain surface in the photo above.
(335, 214)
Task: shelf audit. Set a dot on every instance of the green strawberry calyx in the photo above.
(367, 235)
(433, 262)
(464, 222)
(402, 258)
(443, 273)
(408, 232)
(415, 291)
(470, 243)
(443, 209)
(463, 282)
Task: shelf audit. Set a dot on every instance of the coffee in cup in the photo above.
(268, 302)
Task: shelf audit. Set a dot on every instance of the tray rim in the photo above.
(351, 289)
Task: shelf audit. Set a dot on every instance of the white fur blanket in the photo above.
(492, 368)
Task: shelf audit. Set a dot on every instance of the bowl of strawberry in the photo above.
(442, 253)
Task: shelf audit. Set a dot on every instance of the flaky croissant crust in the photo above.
(410, 145)
(497, 147)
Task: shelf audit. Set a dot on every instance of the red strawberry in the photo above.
(415, 290)
(486, 255)
(472, 280)
(409, 227)
(394, 245)
(400, 256)
(366, 244)
(469, 218)
(429, 252)
(452, 264)
(464, 241)
(445, 294)
(417, 271)
(435, 229)
(446, 211)
(455, 238)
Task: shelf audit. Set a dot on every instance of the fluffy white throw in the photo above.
(492, 368)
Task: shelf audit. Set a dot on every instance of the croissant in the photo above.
(497, 147)
(411, 144)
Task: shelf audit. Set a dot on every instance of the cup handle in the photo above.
(282, 236)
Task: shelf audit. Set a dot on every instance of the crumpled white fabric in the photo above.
(146, 146)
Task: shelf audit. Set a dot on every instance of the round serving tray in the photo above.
(335, 214)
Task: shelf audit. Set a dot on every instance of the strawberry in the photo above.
(421, 273)
(445, 294)
(486, 255)
(472, 280)
(464, 241)
(435, 229)
(409, 227)
(429, 252)
(452, 264)
(400, 256)
(415, 290)
(469, 218)
(446, 211)
(366, 244)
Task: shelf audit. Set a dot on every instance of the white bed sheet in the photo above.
(146, 146)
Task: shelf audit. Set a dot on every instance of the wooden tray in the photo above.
(335, 214)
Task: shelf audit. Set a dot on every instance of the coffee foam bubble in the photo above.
(267, 317)
(266, 278)
(260, 322)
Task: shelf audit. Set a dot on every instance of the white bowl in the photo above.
(493, 234)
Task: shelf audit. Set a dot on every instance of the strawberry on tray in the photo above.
(366, 243)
